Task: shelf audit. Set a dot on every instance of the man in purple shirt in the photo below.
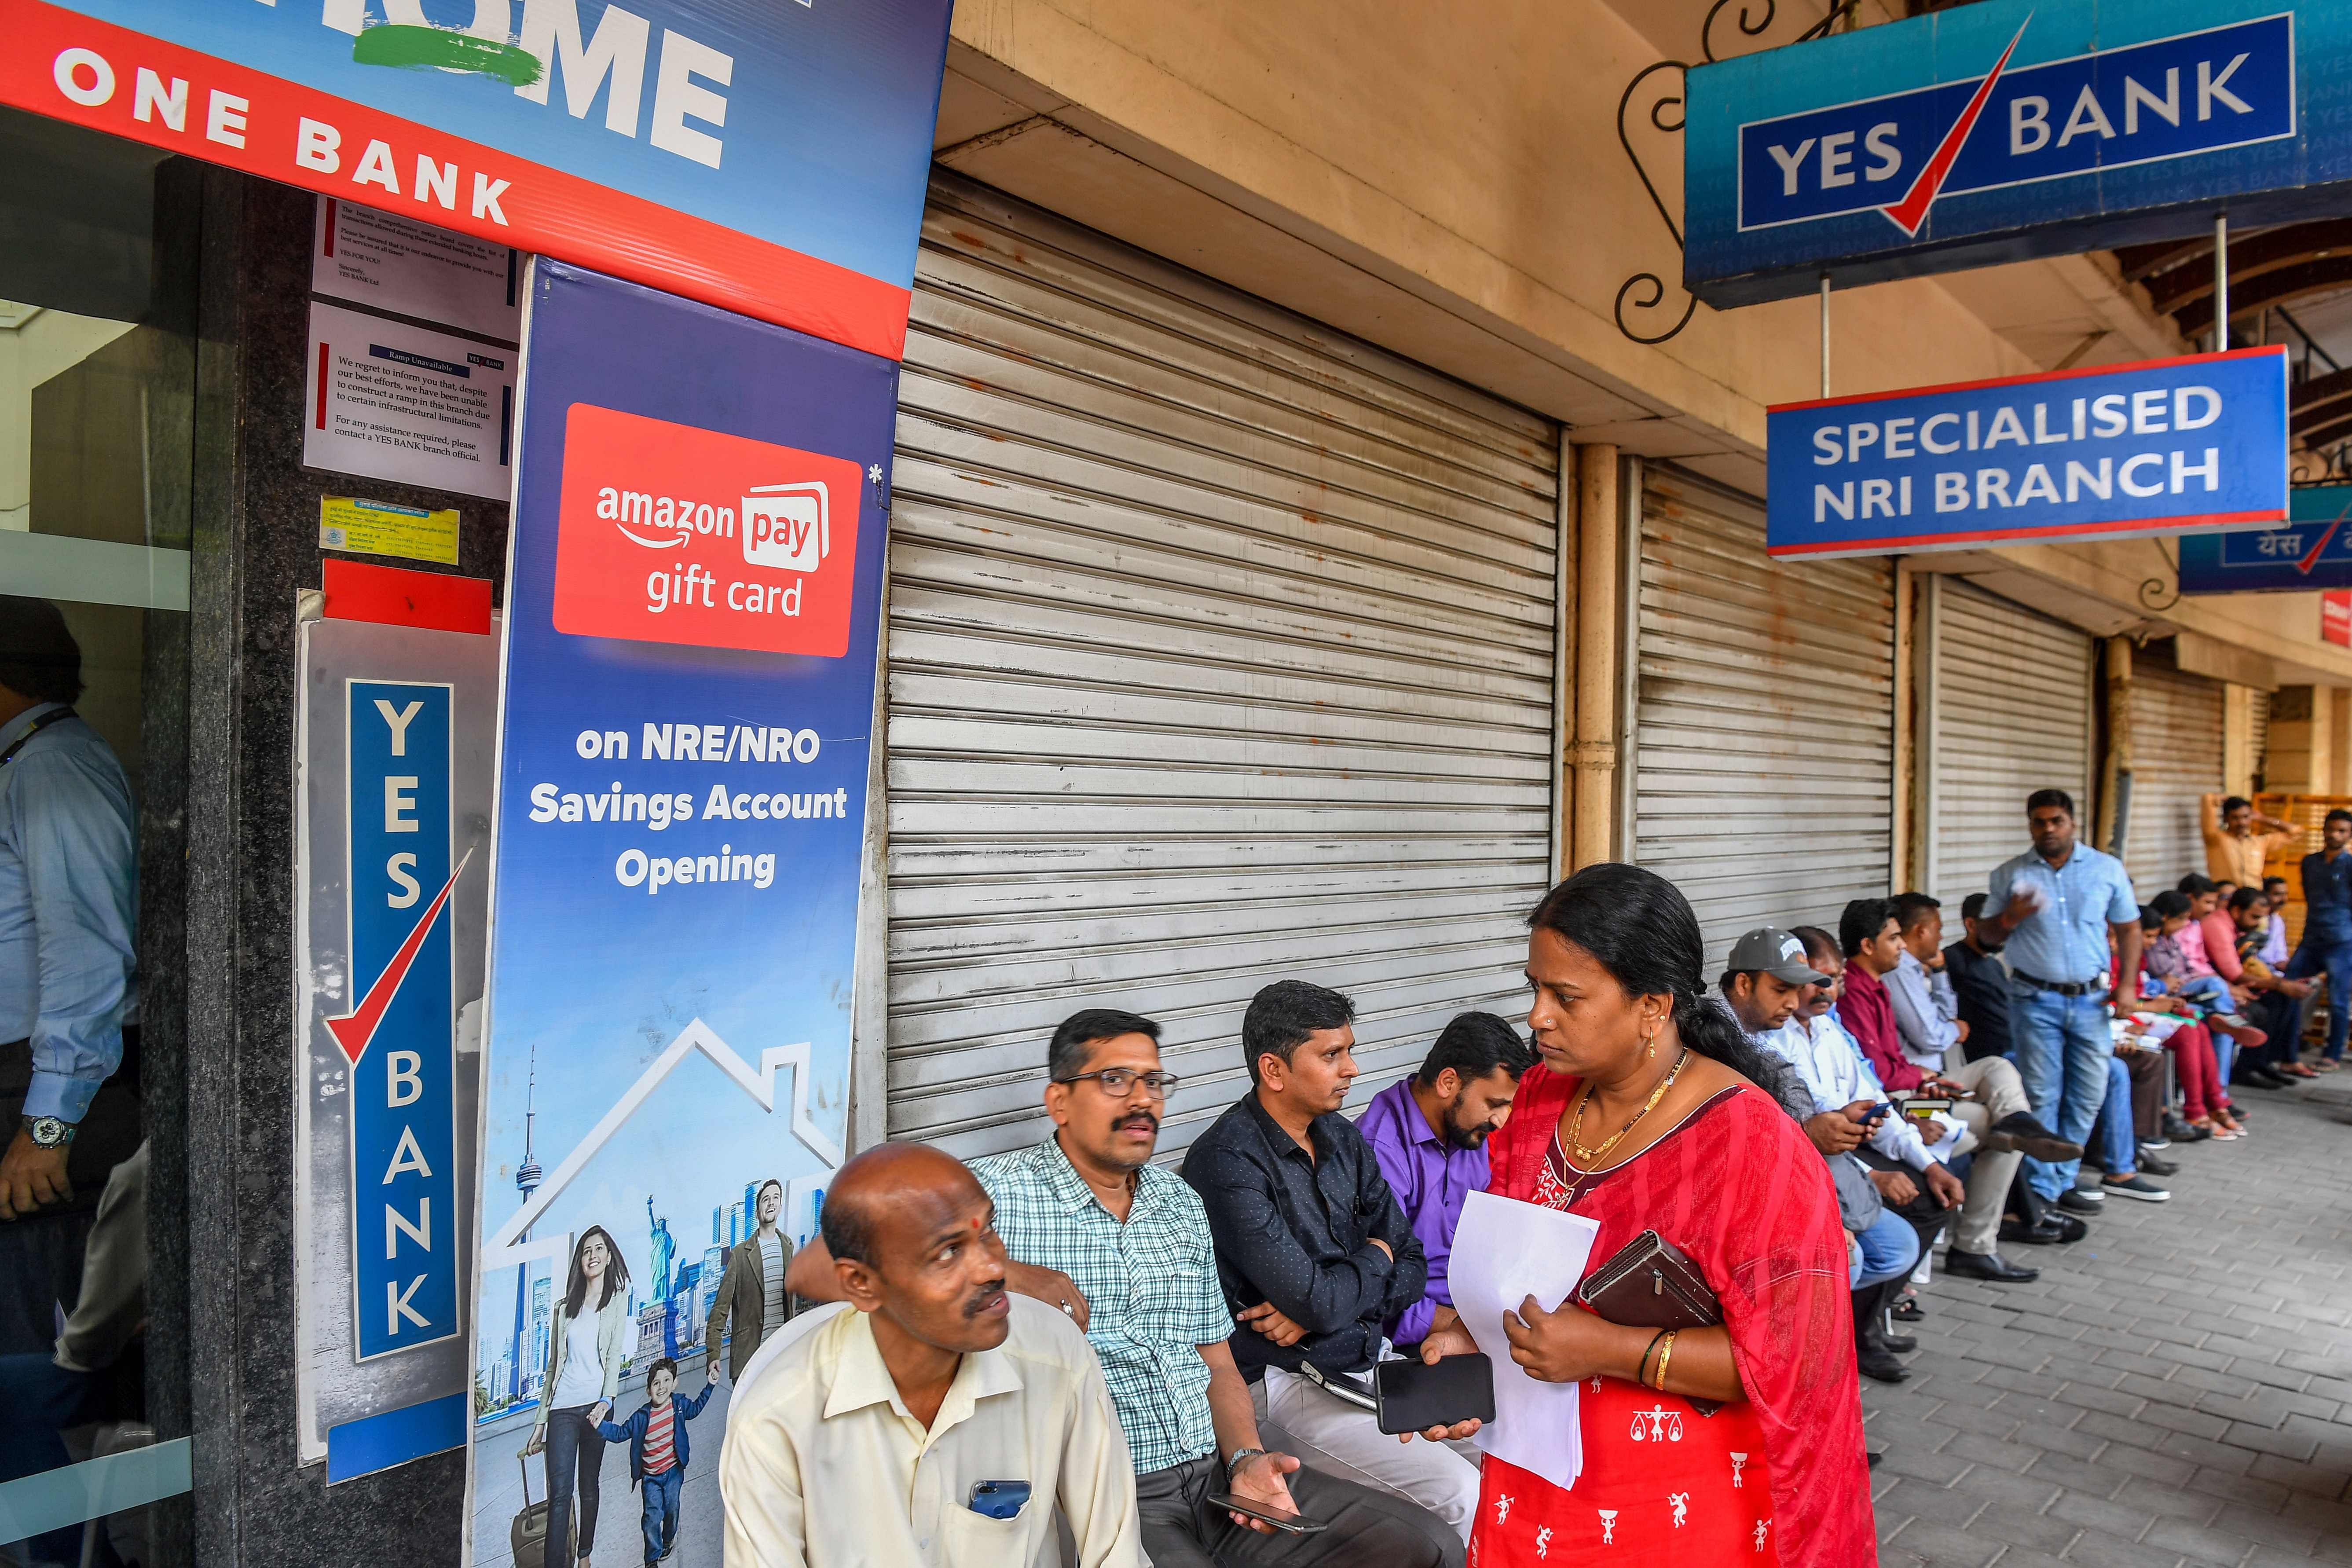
(1429, 1133)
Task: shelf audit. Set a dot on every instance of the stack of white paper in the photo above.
(1504, 1252)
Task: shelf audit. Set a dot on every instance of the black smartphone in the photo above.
(1873, 1114)
(1281, 1519)
(1413, 1397)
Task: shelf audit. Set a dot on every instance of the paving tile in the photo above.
(2168, 1394)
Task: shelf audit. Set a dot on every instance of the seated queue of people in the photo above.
(1236, 1308)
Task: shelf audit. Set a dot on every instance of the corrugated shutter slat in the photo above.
(1221, 651)
(2176, 748)
(1764, 746)
(2012, 714)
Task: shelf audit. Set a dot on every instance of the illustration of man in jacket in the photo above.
(751, 1294)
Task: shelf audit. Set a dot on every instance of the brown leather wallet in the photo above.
(1650, 1284)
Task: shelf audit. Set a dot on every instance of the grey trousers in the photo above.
(1999, 1092)
(1182, 1530)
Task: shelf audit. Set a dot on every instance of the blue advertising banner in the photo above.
(2314, 552)
(766, 156)
(2014, 128)
(405, 1237)
(693, 604)
(2154, 448)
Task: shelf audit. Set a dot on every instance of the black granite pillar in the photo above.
(255, 548)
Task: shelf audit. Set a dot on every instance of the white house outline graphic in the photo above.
(502, 1250)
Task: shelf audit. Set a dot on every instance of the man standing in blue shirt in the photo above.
(2057, 904)
(68, 915)
(2327, 928)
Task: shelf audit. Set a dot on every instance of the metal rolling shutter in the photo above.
(1220, 651)
(2176, 757)
(2008, 713)
(1764, 714)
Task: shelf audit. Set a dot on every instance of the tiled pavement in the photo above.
(2176, 1389)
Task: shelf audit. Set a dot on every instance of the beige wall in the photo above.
(1450, 185)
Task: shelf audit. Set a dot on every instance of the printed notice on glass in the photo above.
(1504, 1252)
(394, 401)
(390, 262)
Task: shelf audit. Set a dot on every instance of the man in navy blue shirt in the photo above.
(2327, 925)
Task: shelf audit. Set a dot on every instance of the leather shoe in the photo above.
(2081, 1201)
(1988, 1265)
(1901, 1345)
(2046, 1234)
(2070, 1229)
(1880, 1364)
(2259, 1078)
(2150, 1165)
(2020, 1131)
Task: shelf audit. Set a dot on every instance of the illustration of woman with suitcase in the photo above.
(584, 1373)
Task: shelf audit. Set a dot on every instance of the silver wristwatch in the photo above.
(48, 1132)
(1240, 1457)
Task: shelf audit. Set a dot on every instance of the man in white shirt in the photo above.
(1832, 1064)
(941, 1422)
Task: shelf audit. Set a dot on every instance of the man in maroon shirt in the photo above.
(1873, 945)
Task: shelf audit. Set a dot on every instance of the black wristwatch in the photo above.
(48, 1132)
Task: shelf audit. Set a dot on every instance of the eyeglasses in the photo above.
(1119, 1082)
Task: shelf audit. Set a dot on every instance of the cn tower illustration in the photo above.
(527, 1177)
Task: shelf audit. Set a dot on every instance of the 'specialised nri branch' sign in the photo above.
(2159, 447)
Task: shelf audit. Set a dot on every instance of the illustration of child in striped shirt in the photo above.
(657, 1437)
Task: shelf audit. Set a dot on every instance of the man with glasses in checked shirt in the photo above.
(1123, 1246)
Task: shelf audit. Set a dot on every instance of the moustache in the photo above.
(1142, 1118)
(985, 1298)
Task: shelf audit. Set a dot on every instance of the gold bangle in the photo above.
(1665, 1354)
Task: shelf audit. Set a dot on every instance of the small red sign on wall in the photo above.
(671, 533)
(2336, 617)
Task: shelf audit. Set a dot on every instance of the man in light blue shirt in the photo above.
(69, 908)
(2058, 904)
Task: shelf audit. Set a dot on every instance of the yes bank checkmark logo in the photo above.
(672, 533)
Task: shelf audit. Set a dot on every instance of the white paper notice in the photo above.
(1504, 1252)
(394, 401)
(390, 262)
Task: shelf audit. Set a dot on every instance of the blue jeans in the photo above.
(2329, 950)
(661, 1494)
(2111, 1136)
(576, 1465)
(41, 1399)
(1890, 1248)
(2062, 1048)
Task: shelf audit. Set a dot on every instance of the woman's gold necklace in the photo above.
(1585, 1156)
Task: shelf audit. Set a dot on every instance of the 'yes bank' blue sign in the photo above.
(400, 1034)
(1993, 131)
(2312, 551)
(2156, 447)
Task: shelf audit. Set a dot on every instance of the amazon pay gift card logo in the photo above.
(671, 533)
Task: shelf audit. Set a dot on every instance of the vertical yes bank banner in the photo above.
(2170, 445)
(2014, 128)
(693, 616)
(396, 731)
(764, 156)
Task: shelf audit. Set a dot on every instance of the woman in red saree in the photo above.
(1641, 1118)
